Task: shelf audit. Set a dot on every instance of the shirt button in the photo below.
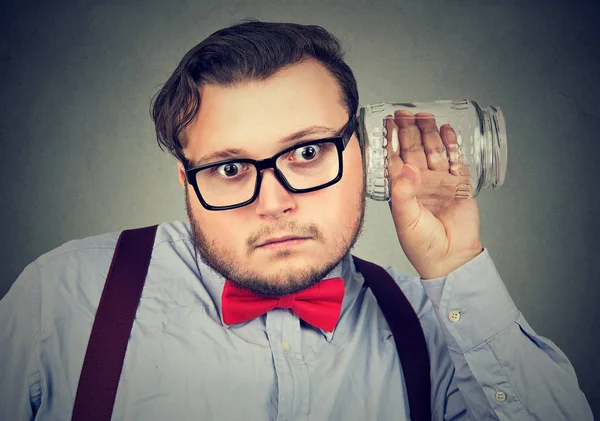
(285, 345)
(500, 396)
(454, 316)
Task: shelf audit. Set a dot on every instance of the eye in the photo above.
(307, 152)
(228, 170)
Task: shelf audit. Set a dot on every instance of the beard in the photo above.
(287, 281)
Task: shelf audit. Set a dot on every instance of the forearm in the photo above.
(497, 355)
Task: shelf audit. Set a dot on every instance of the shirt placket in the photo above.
(283, 332)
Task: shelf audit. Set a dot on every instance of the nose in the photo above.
(273, 198)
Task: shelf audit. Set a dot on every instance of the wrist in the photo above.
(449, 265)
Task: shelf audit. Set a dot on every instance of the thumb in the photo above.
(405, 183)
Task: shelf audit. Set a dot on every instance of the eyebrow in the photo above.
(236, 152)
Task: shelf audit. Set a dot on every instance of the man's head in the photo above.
(247, 87)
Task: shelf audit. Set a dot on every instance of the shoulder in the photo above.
(413, 290)
(93, 251)
(75, 272)
(409, 284)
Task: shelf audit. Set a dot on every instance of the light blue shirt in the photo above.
(183, 362)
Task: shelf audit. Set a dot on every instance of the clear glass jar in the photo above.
(480, 133)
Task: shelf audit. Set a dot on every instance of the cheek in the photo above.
(336, 208)
(212, 225)
(351, 184)
(223, 235)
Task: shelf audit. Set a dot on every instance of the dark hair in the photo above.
(247, 51)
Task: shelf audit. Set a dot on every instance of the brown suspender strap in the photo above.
(120, 298)
(106, 349)
(408, 335)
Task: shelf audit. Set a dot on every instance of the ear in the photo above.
(181, 173)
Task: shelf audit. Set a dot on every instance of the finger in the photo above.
(409, 136)
(403, 189)
(393, 145)
(464, 188)
(435, 151)
(449, 140)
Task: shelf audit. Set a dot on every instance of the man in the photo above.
(247, 93)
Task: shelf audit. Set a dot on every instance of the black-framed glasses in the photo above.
(302, 168)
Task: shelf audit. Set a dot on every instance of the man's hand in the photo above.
(437, 231)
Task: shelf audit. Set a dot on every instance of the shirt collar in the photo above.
(214, 284)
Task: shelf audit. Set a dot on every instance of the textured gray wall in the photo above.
(79, 158)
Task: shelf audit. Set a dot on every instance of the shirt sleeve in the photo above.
(19, 324)
(503, 369)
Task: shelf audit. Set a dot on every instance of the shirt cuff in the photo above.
(472, 302)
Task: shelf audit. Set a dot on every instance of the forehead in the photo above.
(256, 115)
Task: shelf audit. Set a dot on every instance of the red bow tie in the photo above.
(320, 304)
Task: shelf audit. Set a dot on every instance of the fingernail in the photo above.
(408, 173)
(395, 140)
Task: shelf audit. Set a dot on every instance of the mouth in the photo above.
(289, 241)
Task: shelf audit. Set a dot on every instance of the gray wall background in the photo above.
(79, 157)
